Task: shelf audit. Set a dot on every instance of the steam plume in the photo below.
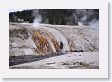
(37, 18)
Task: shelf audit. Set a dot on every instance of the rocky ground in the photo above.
(80, 47)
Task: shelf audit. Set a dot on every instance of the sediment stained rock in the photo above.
(45, 42)
(49, 39)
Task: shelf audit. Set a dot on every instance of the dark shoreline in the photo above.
(15, 60)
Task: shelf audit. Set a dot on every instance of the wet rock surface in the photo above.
(87, 60)
(28, 45)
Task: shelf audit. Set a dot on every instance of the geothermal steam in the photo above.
(50, 40)
(37, 18)
(45, 42)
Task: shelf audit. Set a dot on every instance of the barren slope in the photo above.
(41, 46)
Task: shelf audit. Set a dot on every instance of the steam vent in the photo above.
(47, 40)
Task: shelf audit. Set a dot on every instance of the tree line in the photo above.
(56, 16)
